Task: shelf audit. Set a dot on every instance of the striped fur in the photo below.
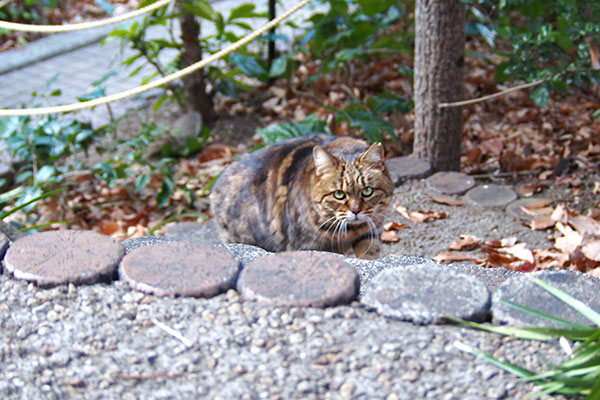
(283, 197)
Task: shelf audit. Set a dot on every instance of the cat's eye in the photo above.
(339, 195)
(366, 192)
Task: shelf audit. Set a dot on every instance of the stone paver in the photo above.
(426, 294)
(523, 290)
(450, 182)
(515, 210)
(297, 279)
(403, 168)
(60, 257)
(491, 195)
(180, 269)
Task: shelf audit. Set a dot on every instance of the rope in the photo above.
(83, 25)
(159, 82)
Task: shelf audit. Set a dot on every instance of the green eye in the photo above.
(338, 194)
(366, 192)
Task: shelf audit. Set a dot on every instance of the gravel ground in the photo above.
(107, 342)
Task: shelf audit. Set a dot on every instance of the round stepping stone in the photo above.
(60, 257)
(515, 210)
(180, 269)
(491, 195)
(523, 290)
(450, 182)
(425, 294)
(404, 168)
(194, 232)
(299, 279)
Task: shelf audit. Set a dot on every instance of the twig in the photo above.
(491, 96)
(173, 333)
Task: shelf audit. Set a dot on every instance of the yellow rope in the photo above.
(159, 82)
(83, 25)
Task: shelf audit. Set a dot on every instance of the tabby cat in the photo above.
(313, 193)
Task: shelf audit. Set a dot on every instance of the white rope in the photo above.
(82, 25)
(159, 82)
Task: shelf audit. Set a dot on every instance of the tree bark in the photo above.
(439, 64)
(196, 97)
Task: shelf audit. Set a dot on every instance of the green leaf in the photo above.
(540, 96)
(244, 11)
(44, 174)
(142, 181)
(200, 9)
(250, 66)
(166, 190)
(278, 67)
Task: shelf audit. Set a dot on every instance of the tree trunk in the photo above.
(196, 98)
(439, 62)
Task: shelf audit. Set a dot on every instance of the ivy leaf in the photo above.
(244, 11)
(249, 66)
(540, 96)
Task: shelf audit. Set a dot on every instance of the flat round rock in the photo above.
(425, 294)
(516, 211)
(523, 290)
(299, 279)
(450, 182)
(180, 269)
(490, 195)
(403, 168)
(59, 257)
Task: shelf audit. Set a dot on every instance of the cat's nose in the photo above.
(355, 207)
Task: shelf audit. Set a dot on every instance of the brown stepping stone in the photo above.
(180, 269)
(403, 168)
(491, 195)
(60, 257)
(450, 182)
(515, 210)
(299, 279)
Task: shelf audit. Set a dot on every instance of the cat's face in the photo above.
(351, 190)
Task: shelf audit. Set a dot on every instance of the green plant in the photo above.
(41, 145)
(539, 39)
(578, 375)
(226, 30)
(356, 29)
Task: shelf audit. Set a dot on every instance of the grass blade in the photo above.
(543, 314)
(579, 306)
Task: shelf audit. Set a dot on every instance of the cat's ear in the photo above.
(323, 160)
(373, 155)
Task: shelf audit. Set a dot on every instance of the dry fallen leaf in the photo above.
(467, 242)
(389, 237)
(570, 239)
(541, 222)
(393, 226)
(590, 247)
(519, 251)
(419, 216)
(450, 201)
(446, 257)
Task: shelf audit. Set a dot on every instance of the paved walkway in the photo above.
(79, 58)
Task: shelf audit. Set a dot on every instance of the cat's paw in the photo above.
(367, 250)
